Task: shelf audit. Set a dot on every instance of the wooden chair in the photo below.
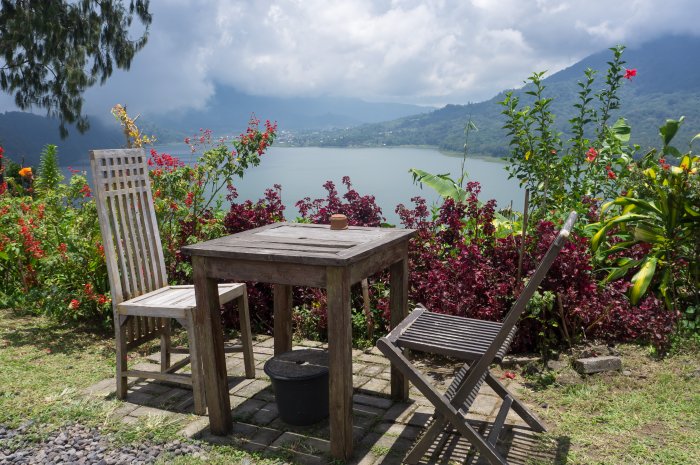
(476, 342)
(143, 302)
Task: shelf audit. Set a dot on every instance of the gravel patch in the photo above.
(79, 445)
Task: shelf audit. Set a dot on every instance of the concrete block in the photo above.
(590, 365)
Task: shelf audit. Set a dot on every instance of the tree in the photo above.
(52, 51)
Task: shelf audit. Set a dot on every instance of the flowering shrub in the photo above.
(458, 266)
(249, 215)
(361, 210)
(661, 213)
(188, 198)
(51, 257)
(561, 176)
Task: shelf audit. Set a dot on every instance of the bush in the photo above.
(51, 254)
(458, 266)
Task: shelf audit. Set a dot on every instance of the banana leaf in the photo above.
(441, 183)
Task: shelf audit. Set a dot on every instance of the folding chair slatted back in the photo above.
(509, 322)
(130, 235)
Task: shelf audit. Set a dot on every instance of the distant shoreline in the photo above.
(449, 153)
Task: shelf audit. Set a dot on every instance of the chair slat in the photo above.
(144, 258)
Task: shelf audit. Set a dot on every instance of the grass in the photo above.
(650, 415)
(45, 366)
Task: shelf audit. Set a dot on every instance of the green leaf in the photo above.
(669, 130)
(595, 240)
(618, 247)
(689, 210)
(672, 151)
(697, 136)
(441, 183)
(621, 130)
(642, 279)
(624, 266)
(649, 234)
(643, 204)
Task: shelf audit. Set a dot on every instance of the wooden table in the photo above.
(294, 254)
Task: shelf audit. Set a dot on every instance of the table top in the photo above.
(313, 244)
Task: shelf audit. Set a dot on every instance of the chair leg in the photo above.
(165, 326)
(442, 404)
(198, 393)
(526, 414)
(426, 440)
(120, 336)
(246, 335)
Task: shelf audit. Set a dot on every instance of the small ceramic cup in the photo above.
(339, 221)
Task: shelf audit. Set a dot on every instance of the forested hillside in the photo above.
(667, 85)
(23, 135)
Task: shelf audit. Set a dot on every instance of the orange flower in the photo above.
(25, 172)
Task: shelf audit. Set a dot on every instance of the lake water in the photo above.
(382, 172)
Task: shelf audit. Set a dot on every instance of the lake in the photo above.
(382, 172)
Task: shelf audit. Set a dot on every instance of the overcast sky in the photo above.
(429, 52)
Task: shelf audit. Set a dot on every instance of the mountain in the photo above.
(229, 111)
(23, 135)
(667, 86)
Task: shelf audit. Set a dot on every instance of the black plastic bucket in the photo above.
(300, 381)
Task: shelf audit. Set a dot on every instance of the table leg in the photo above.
(398, 304)
(282, 297)
(340, 361)
(210, 341)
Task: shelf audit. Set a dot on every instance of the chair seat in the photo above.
(456, 336)
(174, 301)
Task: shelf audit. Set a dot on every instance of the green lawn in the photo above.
(649, 415)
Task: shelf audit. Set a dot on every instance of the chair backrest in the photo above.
(536, 279)
(126, 214)
(479, 368)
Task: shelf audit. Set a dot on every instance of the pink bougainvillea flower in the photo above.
(591, 154)
(509, 375)
(630, 73)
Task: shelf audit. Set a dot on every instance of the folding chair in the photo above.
(479, 343)
(144, 305)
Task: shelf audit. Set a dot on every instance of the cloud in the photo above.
(413, 51)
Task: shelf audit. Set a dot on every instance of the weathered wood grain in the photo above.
(143, 304)
(295, 254)
(340, 361)
(282, 295)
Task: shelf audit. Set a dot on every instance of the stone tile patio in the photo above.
(384, 430)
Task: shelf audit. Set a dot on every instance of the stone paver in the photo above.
(383, 430)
